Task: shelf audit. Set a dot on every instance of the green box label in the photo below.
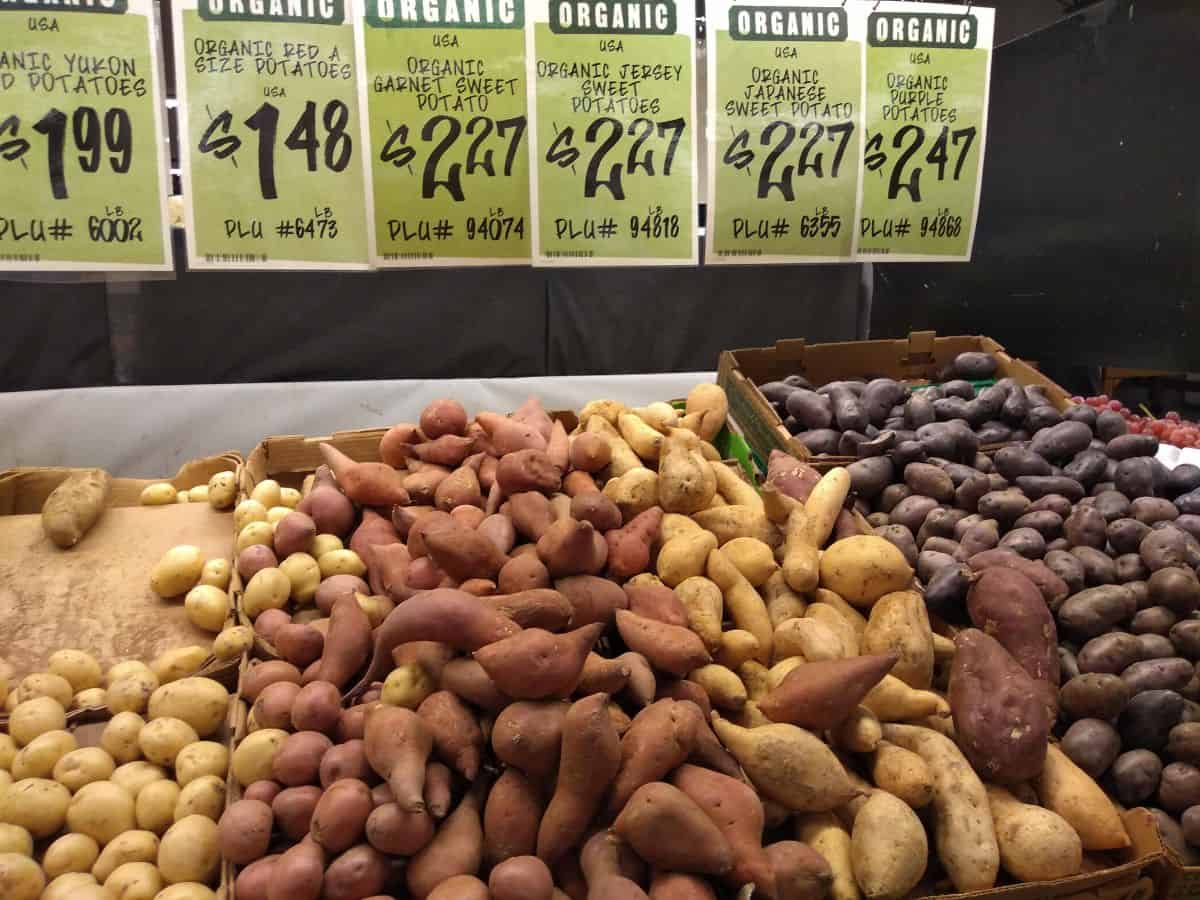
(786, 142)
(82, 158)
(614, 148)
(271, 142)
(449, 142)
(456, 14)
(927, 79)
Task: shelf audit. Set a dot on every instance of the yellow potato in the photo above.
(134, 881)
(204, 796)
(324, 543)
(266, 492)
(36, 804)
(684, 556)
(407, 685)
(222, 490)
(132, 693)
(124, 669)
(101, 810)
(34, 717)
(70, 853)
(154, 808)
(131, 846)
(158, 494)
(163, 738)
(268, 588)
(181, 662)
(83, 766)
(189, 851)
(137, 775)
(200, 758)
(255, 533)
(376, 606)
(120, 737)
(15, 839)
(207, 607)
(304, 574)
(92, 698)
(5, 778)
(8, 749)
(11, 701)
(80, 669)
(201, 702)
(177, 572)
(252, 758)
(216, 572)
(197, 494)
(182, 497)
(45, 684)
(276, 513)
(75, 886)
(341, 562)
(20, 877)
(246, 512)
(289, 497)
(38, 758)
(233, 642)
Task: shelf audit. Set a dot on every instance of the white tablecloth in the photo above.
(148, 432)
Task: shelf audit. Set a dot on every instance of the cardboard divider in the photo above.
(915, 360)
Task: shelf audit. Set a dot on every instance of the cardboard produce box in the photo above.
(96, 595)
(915, 360)
(1173, 880)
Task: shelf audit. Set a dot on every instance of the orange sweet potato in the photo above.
(593, 599)
(594, 507)
(404, 517)
(431, 521)
(533, 414)
(735, 808)
(398, 832)
(604, 854)
(521, 878)
(456, 849)
(468, 516)
(452, 617)
(398, 746)
(591, 753)
(462, 553)
(590, 452)
(295, 531)
(455, 732)
(459, 887)
(629, 547)
(508, 435)
(578, 483)
(447, 450)
(672, 648)
(374, 529)
(680, 886)
(480, 587)
(368, 483)
(558, 447)
(459, 488)
(422, 484)
(388, 570)
(656, 601)
(669, 831)
(396, 444)
(660, 738)
(511, 817)
(424, 575)
(438, 783)
(466, 678)
(522, 573)
(531, 513)
(820, 695)
(568, 547)
(499, 530)
(535, 608)
(603, 675)
(529, 736)
(535, 664)
(801, 873)
(642, 685)
(443, 417)
(348, 643)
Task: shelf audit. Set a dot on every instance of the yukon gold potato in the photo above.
(222, 490)
(154, 807)
(325, 543)
(120, 737)
(255, 534)
(124, 669)
(407, 685)
(341, 562)
(267, 589)
(83, 766)
(189, 851)
(198, 759)
(179, 663)
(15, 839)
(80, 669)
(177, 572)
(137, 775)
(289, 497)
(8, 749)
(132, 692)
(75, 506)
(92, 698)
(216, 572)
(376, 606)
(129, 846)
(36, 804)
(33, 717)
(201, 702)
(183, 497)
(207, 607)
(45, 684)
(38, 758)
(253, 757)
(203, 796)
(70, 853)
(232, 642)
(75, 886)
(134, 881)
(863, 568)
(1036, 844)
(101, 810)
(246, 512)
(158, 494)
(197, 494)
(304, 574)
(20, 877)
(267, 492)
(163, 738)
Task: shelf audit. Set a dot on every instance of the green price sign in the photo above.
(445, 101)
(271, 148)
(83, 179)
(612, 92)
(785, 141)
(928, 68)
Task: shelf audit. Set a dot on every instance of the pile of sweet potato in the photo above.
(522, 663)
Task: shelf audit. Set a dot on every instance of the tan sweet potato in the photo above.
(736, 810)
(75, 505)
(590, 755)
(536, 664)
(528, 735)
(457, 738)
(899, 623)
(456, 849)
(672, 648)
(888, 847)
(511, 817)
(668, 830)
(820, 695)
(1066, 789)
(661, 737)
(398, 746)
(903, 773)
(742, 602)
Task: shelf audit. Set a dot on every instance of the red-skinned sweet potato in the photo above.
(672, 648)
(443, 417)
(668, 830)
(456, 849)
(629, 547)
(467, 678)
(455, 732)
(535, 664)
(511, 817)
(656, 601)
(536, 608)
(398, 746)
(368, 483)
(508, 435)
(820, 695)
(396, 444)
(660, 738)
(348, 643)
(522, 573)
(593, 599)
(462, 553)
(528, 735)
(568, 547)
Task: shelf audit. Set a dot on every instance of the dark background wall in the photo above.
(1087, 253)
